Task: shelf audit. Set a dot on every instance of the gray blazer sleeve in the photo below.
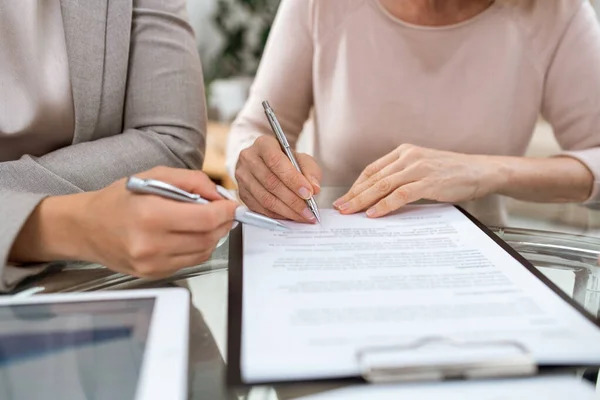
(164, 123)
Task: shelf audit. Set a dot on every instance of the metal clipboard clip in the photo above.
(439, 358)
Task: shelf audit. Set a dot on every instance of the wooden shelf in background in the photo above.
(214, 159)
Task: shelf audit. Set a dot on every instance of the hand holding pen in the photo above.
(275, 181)
(142, 235)
(168, 191)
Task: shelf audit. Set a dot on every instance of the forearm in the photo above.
(94, 165)
(552, 180)
(52, 232)
(16, 210)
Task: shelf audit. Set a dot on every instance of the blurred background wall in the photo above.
(231, 35)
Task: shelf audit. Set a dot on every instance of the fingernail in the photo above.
(371, 212)
(308, 214)
(343, 206)
(337, 203)
(304, 193)
(315, 182)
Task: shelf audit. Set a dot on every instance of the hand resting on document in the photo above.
(411, 173)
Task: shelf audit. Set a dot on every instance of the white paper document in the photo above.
(546, 388)
(316, 297)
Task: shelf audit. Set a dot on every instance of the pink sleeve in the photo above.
(284, 79)
(571, 102)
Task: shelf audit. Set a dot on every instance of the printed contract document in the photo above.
(316, 298)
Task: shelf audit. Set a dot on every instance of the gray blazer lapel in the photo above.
(85, 33)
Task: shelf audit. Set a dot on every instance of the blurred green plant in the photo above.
(245, 27)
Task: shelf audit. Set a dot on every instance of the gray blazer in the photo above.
(139, 102)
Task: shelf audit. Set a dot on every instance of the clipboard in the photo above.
(516, 362)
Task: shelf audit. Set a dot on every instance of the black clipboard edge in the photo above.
(235, 307)
(235, 295)
(530, 267)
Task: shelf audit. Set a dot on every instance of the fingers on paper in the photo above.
(397, 199)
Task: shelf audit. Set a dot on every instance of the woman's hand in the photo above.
(412, 173)
(269, 184)
(141, 235)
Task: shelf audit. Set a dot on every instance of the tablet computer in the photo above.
(113, 345)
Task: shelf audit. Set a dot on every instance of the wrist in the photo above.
(554, 179)
(53, 231)
(495, 174)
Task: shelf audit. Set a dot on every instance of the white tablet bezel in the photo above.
(164, 369)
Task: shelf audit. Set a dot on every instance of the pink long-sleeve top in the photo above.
(365, 82)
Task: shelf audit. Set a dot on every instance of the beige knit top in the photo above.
(365, 82)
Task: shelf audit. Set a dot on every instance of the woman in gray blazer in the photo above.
(94, 91)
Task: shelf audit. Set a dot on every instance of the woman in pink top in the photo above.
(423, 99)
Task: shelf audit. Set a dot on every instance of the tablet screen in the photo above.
(74, 350)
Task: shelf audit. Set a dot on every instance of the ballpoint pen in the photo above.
(285, 146)
(242, 213)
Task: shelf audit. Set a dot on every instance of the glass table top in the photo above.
(562, 241)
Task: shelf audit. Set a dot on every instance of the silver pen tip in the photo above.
(317, 215)
(266, 105)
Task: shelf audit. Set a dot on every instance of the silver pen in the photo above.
(285, 146)
(242, 213)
